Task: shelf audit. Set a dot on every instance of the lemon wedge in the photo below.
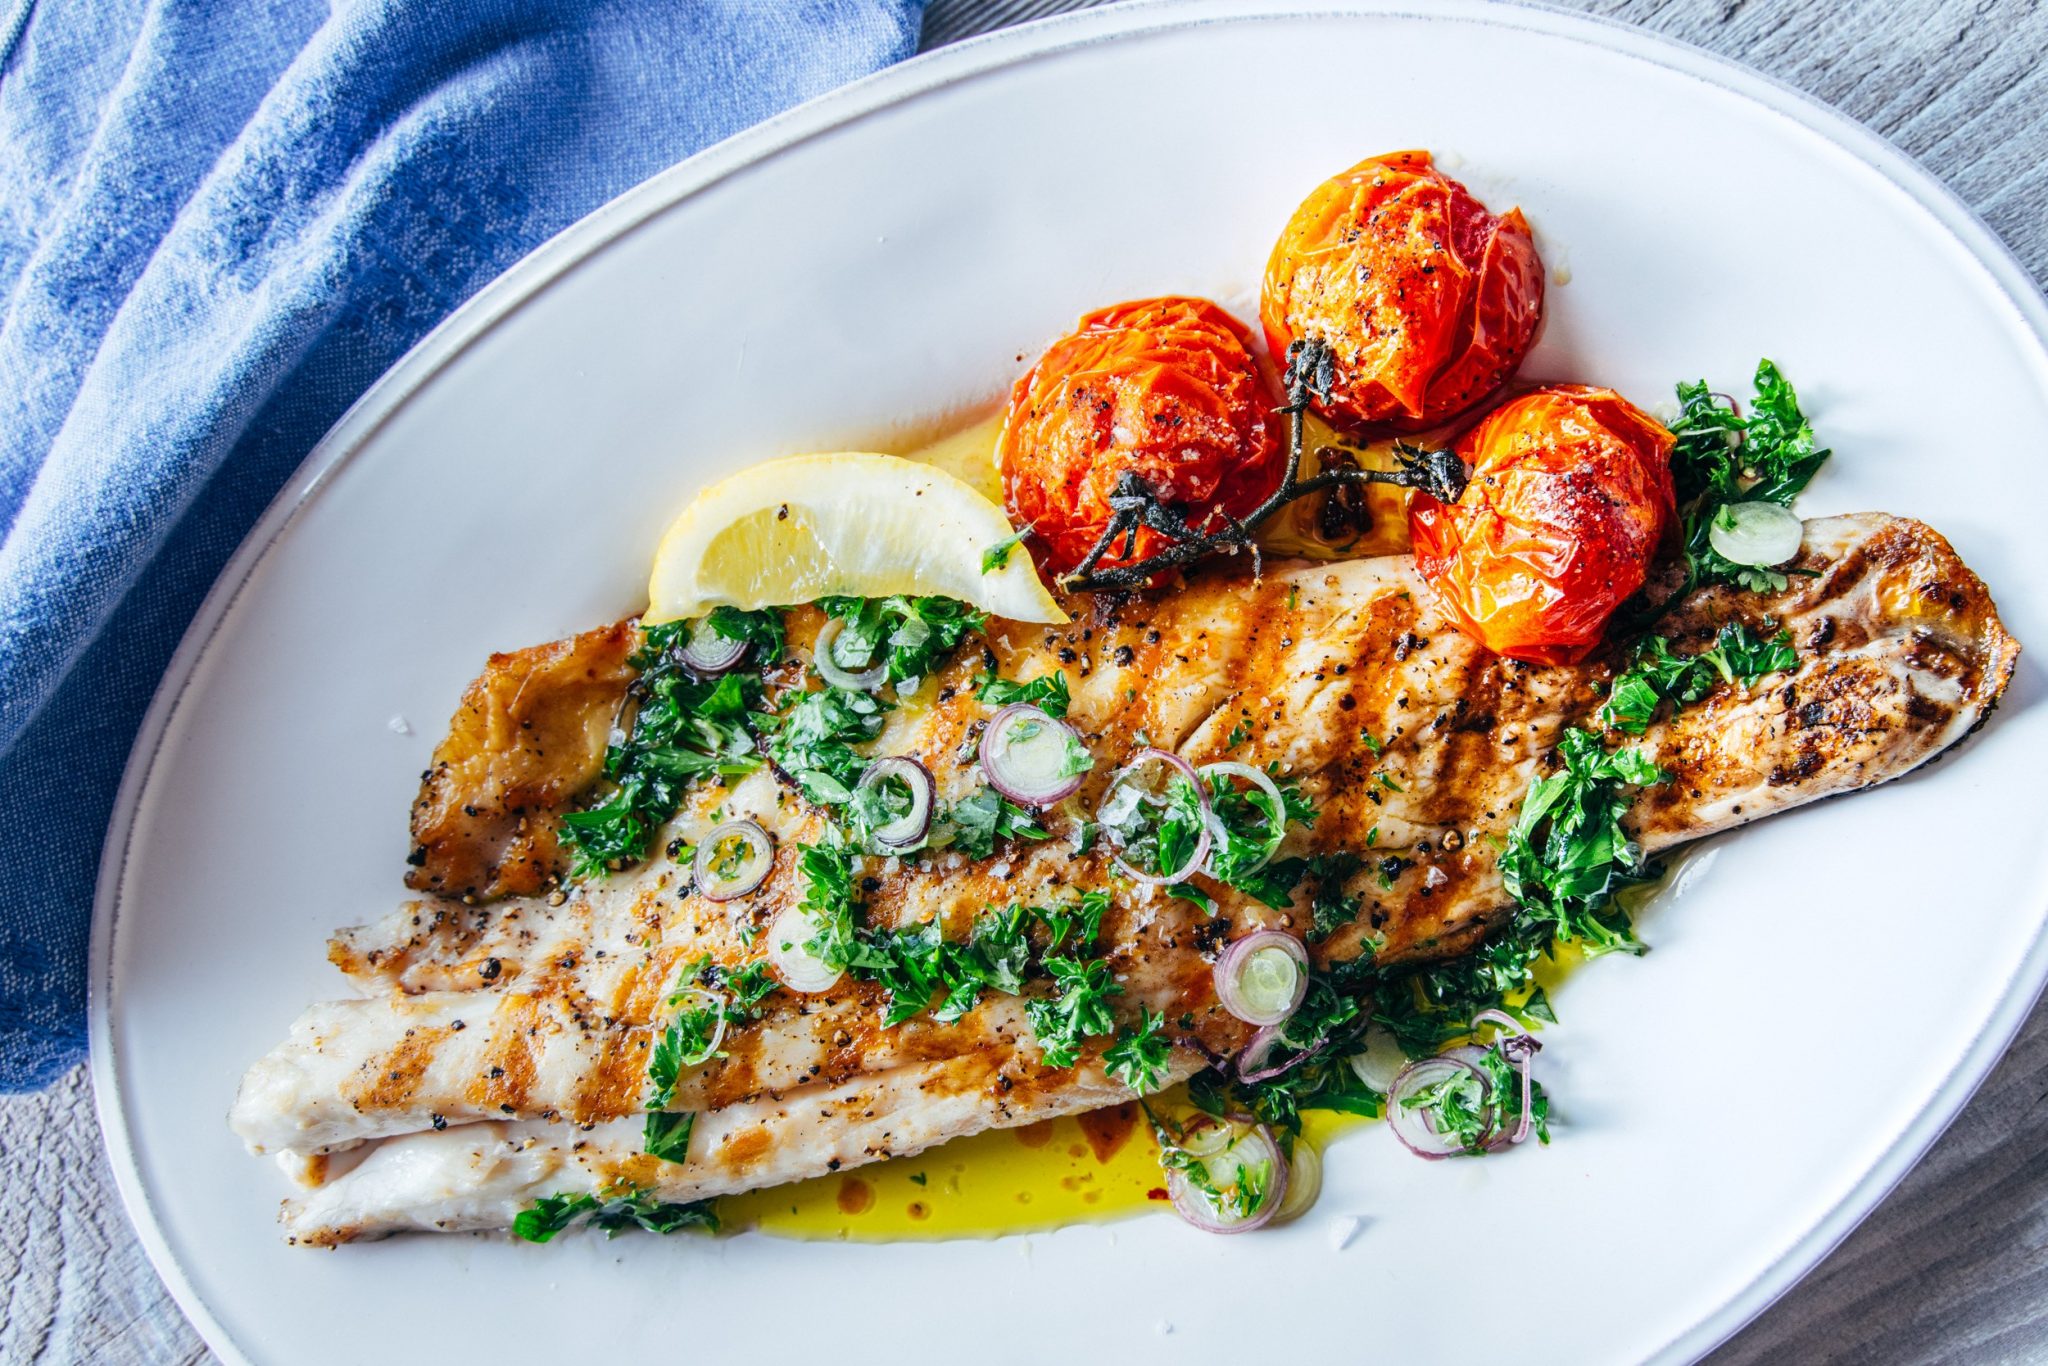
(807, 526)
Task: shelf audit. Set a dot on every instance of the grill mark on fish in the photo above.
(1915, 658)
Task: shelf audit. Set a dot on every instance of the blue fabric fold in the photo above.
(220, 220)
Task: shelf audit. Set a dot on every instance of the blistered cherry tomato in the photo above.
(1569, 500)
(1165, 389)
(1426, 300)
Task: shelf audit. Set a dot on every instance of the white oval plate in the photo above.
(1819, 1003)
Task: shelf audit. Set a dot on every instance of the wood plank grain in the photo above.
(1953, 1267)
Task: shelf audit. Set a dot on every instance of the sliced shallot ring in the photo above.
(799, 969)
(1379, 1061)
(1230, 968)
(1190, 1205)
(717, 1004)
(1518, 1046)
(1264, 782)
(1412, 1127)
(910, 827)
(1304, 1181)
(1200, 853)
(837, 674)
(1253, 1058)
(760, 860)
(1000, 768)
(711, 652)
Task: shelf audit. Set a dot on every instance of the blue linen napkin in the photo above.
(220, 220)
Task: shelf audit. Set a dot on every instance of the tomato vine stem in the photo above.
(1311, 372)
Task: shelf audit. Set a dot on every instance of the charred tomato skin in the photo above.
(1569, 502)
(1166, 389)
(1427, 300)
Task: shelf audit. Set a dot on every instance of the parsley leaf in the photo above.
(1568, 853)
(975, 823)
(1076, 1012)
(813, 741)
(684, 729)
(1722, 458)
(619, 1207)
(1079, 922)
(1048, 693)
(1139, 1057)
(998, 555)
(1655, 674)
(667, 1135)
(912, 635)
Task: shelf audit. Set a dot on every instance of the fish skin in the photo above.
(1901, 653)
(528, 736)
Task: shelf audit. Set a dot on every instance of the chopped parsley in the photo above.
(1460, 1106)
(1722, 458)
(691, 1039)
(975, 823)
(1246, 833)
(1656, 675)
(1155, 835)
(829, 903)
(879, 805)
(814, 739)
(998, 555)
(1568, 854)
(1078, 1009)
(684, 729)
(1330, 908)
(1138, 1058)
(912, 636)
(761, 628)
(619, 1207)
(1048, 693)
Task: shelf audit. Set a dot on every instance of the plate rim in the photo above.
(922, 74)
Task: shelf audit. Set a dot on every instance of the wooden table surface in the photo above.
(1953, 1267)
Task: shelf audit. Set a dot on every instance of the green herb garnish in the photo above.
(1048, 693)
(998, 555)
(1139, 1057)
(1655, 675)
(684, 730)
(1078, 1009)
(619, 1207)
(1722, 458)
(911, 635)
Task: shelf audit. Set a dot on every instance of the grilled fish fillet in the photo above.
(515, 1034)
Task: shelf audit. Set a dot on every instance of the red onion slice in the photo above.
(711, 652)
(1116, 804)
(1262, 977)
(913, 824)
(1412, 1126)
(1304, 1181)
(837, 674)
(1519, 1047)
(1254, 1059)
(1253, 1147)
(799, 969)
(1264, 782)
(733, 860)
(1029, 756)
(1379, 1061)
